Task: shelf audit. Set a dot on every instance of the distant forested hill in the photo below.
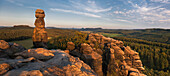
(22, 33)
(155, 35)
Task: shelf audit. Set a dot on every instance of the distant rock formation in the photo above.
(40, 35)
(107, 56)
(42, 62)
(21, 26)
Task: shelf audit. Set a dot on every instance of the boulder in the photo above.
(66, 51)
(99, 51)
(86, 49)
(4, 67)
(11, 50)
(4, 44)
(95, 61)
(70, 46)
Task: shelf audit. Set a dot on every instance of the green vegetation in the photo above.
(61, 42)
(27, 43)
(111, 35)
(153, 46)
(23, 35)
(155, 56)
(15, 33)
(154, 35)
(155, 53)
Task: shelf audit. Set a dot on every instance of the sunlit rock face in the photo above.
(41, 62)
(107, 56)
(39, 35)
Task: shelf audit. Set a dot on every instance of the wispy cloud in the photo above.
(161, 1)
(122, 20)
(166, 12)
(144, 13)
(76, 12)
(98, 10)
(89, 5)
(168, 20)
(33, 7)
(14, 2)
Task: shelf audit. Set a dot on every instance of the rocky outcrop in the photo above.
(43, 62)
(4, 68)
(7, 50)
(92, 58)
(39, 53)
(87, 54)
(70, 46)
(107, 56)
(101, 56)
(39, 35)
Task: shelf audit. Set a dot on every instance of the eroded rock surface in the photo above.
(39, 53)
(101, 56)
(43, 62)
(108, 56)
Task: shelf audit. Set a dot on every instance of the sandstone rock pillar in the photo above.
(39, 35)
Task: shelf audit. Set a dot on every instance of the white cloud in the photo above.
(161, 1)
(76, 12)
(14, 2)
(167, 12)
(167, 20)
(33, 7)
(98, 10)
(122, 20)
(89, 5)
(149, 13)
(119, 12)
(91, 2)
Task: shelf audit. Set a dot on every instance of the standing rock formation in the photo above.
(40, 35)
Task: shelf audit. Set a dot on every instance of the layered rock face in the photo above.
(43, 62)
(39, 35)
(107, 56)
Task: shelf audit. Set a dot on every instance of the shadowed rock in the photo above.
(9, 49)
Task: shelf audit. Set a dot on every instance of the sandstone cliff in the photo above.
(100, 56)
(107, 56)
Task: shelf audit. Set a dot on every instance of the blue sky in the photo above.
(109, 14)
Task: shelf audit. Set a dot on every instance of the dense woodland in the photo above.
(155, 56)
(21, 33)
